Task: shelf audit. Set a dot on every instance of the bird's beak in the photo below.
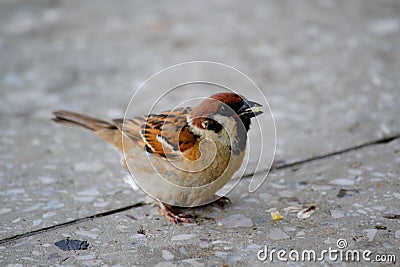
(250, 109)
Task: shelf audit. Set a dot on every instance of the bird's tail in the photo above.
(75, 119)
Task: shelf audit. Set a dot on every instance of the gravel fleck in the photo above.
(4, 210)
(277, 234)
(236, 220)
(90, 256)
(182, 237)
(167, 255)
(337, 214)
(397, 235)
(342, 181)
(88, 166)
(227, 256)
(165, 264)
(193, 262)
(87, 234)
(370, 233)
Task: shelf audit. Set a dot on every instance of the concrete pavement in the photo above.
(329, 70)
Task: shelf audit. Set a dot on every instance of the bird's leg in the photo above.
(222, 201)
(170, 215)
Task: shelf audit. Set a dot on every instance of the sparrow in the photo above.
(179, 157)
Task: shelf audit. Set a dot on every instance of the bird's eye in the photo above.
(213, 125)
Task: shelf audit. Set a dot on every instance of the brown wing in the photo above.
(167, 133)
(163, 134)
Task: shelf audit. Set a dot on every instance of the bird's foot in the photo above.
(171, 216)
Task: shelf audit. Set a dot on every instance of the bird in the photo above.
(180, 157)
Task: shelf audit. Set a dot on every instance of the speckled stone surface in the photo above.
(235, 234)
(329, 70)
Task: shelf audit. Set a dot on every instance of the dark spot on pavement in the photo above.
(391, 216)
(67, 244)
(346, 193)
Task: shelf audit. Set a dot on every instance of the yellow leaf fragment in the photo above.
(276, 216)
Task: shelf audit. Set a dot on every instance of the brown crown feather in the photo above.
(211, 105)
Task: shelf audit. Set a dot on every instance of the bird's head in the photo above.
(213, 112)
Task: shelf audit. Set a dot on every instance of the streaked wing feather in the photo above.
(162, 134)
(167, 133)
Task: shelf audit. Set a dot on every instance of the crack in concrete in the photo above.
(383, 140)
(76, 221)
(379, 141)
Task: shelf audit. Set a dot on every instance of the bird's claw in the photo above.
(171, 216)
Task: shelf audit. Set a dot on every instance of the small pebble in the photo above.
(48, 214)
(84, 198)
(87, 234)
(183, 251)
(203, 244)
(46, 179)
(101, 204)
(361, 211)
(251, 200)
(337, 214)
(53, 255)
(90, 256)
(4, 210)
(289, 229)
(253, 247)
(182, 237)
(193, 262)
(36, 222)
(321, 187)
(301, 233)
(35, 253)
(34, 207)
(167, 255)
(355, 172)
(88, 166)
(165, 264)
(277, 234)
(53, 204)
(397, 234)
(138, 236)
(370, 233)
(227, 256)
(342, 181)
(89, 192)
(236, 220)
